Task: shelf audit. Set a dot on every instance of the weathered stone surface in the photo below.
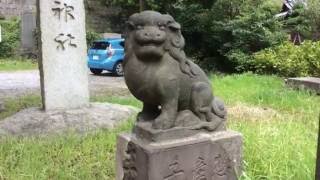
(309, 83)
(63, 66)
(144, 131)
(9, 8)
(215, 156)
(13, 8)
(175, 91)
(97, 12)
(33, 121)
(28, 27)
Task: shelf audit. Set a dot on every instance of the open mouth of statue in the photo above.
(150, 46)
(149, 50)
(146, 43)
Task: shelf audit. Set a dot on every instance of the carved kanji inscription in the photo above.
(64, 40)
(200, 169)
(176, 172)
(63, 10)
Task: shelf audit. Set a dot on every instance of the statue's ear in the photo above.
(130, 25)
(174, 26)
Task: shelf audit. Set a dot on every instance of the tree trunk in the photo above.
(142, 4)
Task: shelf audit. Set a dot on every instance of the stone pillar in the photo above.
(63, 66)
(28, 27)
(205, 156)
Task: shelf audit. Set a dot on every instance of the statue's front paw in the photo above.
(162, 123)
(144, 117)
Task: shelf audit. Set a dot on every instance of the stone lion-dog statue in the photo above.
(175, 92)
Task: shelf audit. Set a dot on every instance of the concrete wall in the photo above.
(10, 8)
(13, 8)
(101, 18)
(98, 17)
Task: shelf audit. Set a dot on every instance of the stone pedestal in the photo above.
(204, 156)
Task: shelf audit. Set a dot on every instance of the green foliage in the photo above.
(92, 36)
(131, 6)
(305, 20)
(297, 24)
(241, 61)
(226, 33)
(290, 60)
(313, 15)
(10, 37)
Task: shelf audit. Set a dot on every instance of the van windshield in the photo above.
(100, 45)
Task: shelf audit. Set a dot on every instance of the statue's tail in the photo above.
(218, 108)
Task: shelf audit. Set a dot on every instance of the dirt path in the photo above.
(19, 83)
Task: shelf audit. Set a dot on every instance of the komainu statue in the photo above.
(175, 92)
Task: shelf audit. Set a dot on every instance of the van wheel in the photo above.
(118, 69)
(96, 71)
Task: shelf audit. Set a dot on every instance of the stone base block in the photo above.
(144, 131)
(309, 83)
(35, 122)
(205, 156)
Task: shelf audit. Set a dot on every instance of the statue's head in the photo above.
(150, 35)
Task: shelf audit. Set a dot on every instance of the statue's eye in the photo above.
(139, 27)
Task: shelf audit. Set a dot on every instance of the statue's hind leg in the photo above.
(201, 98)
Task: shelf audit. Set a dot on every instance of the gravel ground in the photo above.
(20, 83)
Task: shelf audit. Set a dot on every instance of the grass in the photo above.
(280, 147)
(279, 126)
(131, 101)
(63, 157)
(13, 106)
(14, 64)
(262, 91)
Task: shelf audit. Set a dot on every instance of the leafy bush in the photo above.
(10, 37)
(313, 15)
(92, 36)
(289, 60)
(242, 62)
